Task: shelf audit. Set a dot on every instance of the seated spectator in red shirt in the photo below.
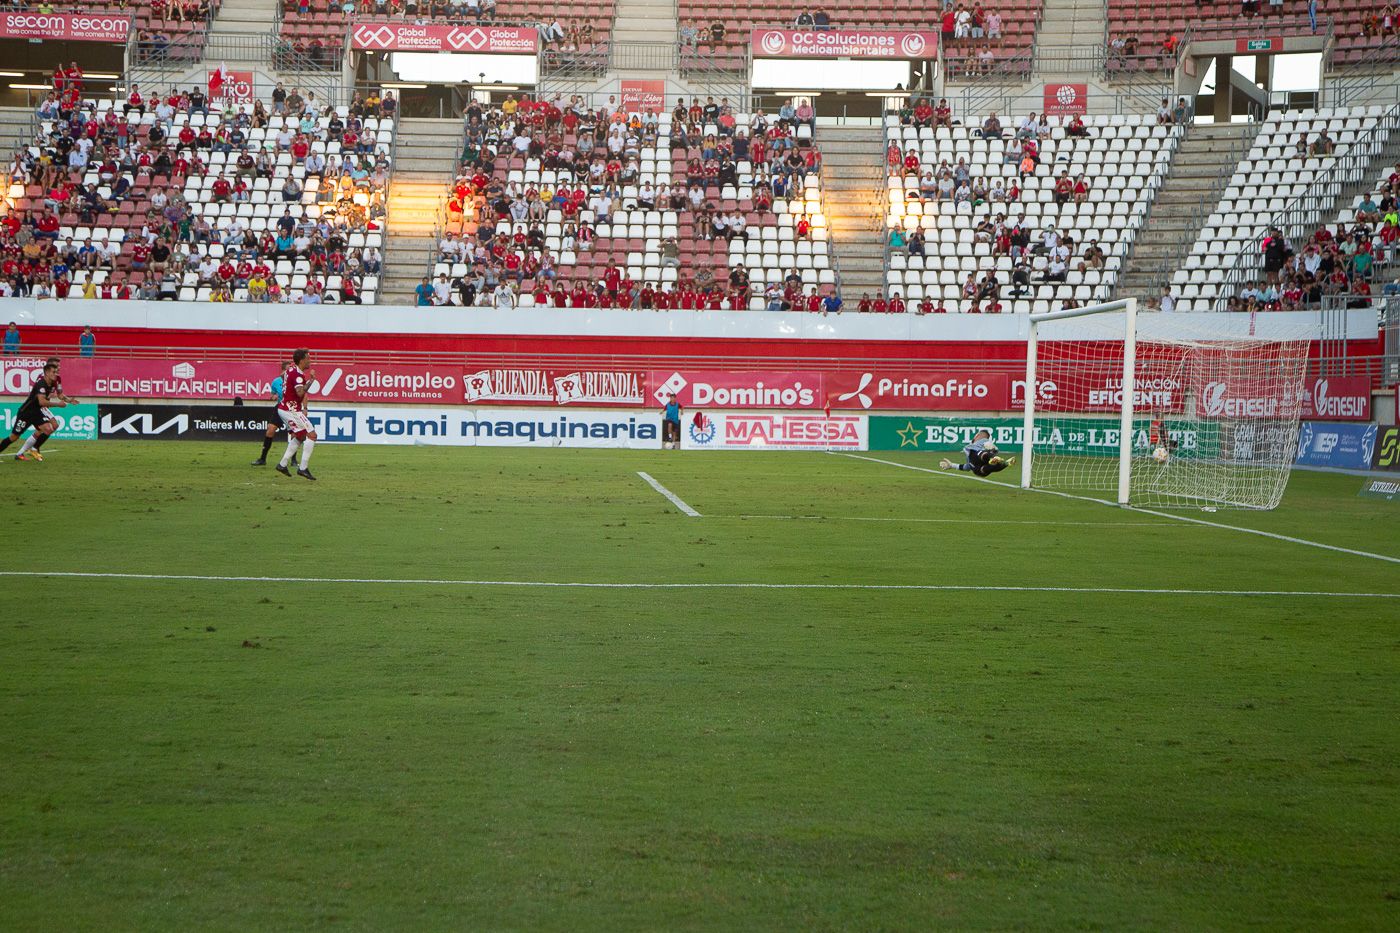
(943, 114)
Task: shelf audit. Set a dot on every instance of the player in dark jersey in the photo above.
(982, 457)
(292, 410)
(46, 393)
(274, 423)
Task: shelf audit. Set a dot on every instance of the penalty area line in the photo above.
(1141, 511)
(565, 584)
(675, 499)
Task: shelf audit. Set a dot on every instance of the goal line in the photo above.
(1178, 518)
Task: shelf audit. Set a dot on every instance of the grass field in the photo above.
(257, 755)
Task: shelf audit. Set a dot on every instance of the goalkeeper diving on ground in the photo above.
(982, 457)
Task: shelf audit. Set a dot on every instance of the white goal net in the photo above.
(1212, 418)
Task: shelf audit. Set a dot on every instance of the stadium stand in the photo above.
(702, 207)
(1012, 218)
(1139, 32)
(1294, 153)
(165, 198)
(1005, 28)
(317, 29)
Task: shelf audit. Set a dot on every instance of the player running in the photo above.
(982, 457)
(274, 424)
(46, 393)
(292, 411)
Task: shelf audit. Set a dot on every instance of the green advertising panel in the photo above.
(1083, 436)
(76, 422)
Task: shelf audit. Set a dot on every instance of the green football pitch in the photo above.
(845, 695)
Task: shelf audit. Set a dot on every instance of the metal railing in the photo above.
(563, 71)
(713, 75)
(1390, 335)
(1360, 77)
(661, 57)
(1069, 59)
(1297, 220)
(156, 64)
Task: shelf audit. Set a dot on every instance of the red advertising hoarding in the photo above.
(1095, 389)
(641, 96)
(230, 86)
(844, 43)
(1338, 398)
(407, 37)
(757, 389)
(904, 391)
(71, 27)
(594, 388)
(1063, 100)
(118, 378)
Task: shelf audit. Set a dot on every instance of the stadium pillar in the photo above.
(1224, 88)
(1264, 72)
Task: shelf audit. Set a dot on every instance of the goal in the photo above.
(1161, 410)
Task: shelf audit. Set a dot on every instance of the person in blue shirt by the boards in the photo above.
(671, 425)
(274, 423)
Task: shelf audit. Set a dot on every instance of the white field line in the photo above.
(675, 499)
(940, 521)
(1179, 518)
(552, 584)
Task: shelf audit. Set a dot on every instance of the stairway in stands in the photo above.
(1065, 25)
(645, 21)
(244, 16)
(426, 155)
(1208, 152)
(853, 196)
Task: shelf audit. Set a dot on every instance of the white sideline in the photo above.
(675, 499)
(551, 584)
(1141, 511)
(942, 521)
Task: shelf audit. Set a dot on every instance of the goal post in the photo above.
(1160, 410)
(1125, 423)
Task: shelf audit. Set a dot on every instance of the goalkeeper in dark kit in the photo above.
(982, 457)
